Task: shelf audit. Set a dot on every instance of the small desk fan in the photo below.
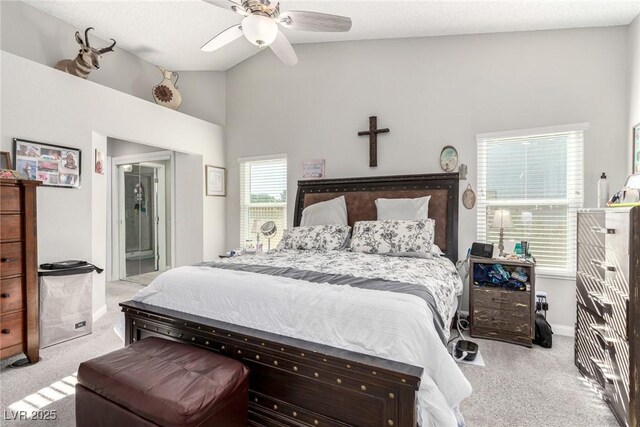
(268, 230)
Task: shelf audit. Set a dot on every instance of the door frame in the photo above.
(114, 261)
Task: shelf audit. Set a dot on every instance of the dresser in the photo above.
(501, 313)
(19, 297)
(607, 341)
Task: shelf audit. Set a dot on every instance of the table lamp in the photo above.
(501, 220)
(256, 230)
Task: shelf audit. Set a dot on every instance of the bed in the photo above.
(359, 356)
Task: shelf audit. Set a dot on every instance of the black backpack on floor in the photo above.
(544, 334)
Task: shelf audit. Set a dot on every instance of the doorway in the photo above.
(142, 220)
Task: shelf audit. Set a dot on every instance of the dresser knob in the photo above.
(5, 295)
(5, 259)
(6, 331)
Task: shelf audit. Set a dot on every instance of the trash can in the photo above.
(65, 301)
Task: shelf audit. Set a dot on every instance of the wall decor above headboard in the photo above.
(361, 193)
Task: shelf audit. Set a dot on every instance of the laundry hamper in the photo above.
(65, 303)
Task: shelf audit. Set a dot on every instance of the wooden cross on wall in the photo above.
(373, 139)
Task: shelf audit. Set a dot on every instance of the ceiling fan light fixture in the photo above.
(260, 30)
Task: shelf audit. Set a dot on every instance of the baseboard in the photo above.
(99, 312)
(563, 330)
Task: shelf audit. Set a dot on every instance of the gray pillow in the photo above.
(403, 209)
(332, 211)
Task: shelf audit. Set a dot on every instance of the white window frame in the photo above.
(574, 187)
(245, 197)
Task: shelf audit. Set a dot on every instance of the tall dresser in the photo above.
(607, 342)
(19, 297)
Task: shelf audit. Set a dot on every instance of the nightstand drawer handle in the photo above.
(500, 300)
(5, 295)
(519, 304)
(5, 259)
(6, 331)
(603, 230)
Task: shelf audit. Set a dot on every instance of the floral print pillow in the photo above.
(320, 237)
(393, 237)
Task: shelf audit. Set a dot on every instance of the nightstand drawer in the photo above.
(495, 334)
(501, 299)
(591, 228)
(516, 321)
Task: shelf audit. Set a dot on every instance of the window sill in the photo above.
(568, 277)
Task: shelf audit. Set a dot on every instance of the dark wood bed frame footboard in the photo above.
(293, 382)
(300, 383)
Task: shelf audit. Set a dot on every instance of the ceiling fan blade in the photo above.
(283, 50)
(223, 39)
(314, 21)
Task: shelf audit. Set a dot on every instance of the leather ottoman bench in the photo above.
(157, 382)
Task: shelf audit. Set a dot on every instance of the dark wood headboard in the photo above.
(361, 193)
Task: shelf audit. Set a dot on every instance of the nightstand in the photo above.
(500, 313)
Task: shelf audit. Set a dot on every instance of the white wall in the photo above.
(431, 92)
(43, 104)
(633, 52)
(35, 35)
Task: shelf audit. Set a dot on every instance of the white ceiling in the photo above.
(170, 32)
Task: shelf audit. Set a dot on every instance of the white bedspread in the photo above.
(390, 325)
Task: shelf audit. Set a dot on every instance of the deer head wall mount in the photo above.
(88, 58)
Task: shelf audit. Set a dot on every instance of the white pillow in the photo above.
(332, 211)
(403, 209)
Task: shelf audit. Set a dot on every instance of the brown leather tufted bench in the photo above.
(160, 382)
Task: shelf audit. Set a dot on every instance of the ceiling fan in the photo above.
(260, 26)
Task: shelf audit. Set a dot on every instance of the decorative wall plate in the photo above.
(469, 197)
(449, 158)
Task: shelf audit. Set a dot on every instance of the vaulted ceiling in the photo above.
(170, 32)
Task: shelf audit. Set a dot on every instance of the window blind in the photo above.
(263, 197)
(538, 176)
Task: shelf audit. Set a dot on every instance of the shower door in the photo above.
(142, 220)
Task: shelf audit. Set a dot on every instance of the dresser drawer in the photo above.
(10, 227)
(9, 199)
(515, 321)
(592, 260)
(590, 293)
(523, 339)
(586, 352)
(11, 329)
(10, 259)
(617, 271)
(11, 298)
(501, 299)
(618, 226)
(591, 228)
(617, 317)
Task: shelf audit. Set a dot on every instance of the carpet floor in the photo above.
(517, 387)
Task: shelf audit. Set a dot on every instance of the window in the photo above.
(263, 197)
(536, 175)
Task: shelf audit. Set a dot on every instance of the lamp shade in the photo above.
(256, 226)
(259, 30)
(502, 219)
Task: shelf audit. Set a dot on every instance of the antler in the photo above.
(108, 49)
(86, 36)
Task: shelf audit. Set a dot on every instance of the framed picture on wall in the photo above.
(216, 181)
(54, 165)
(636, 149)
